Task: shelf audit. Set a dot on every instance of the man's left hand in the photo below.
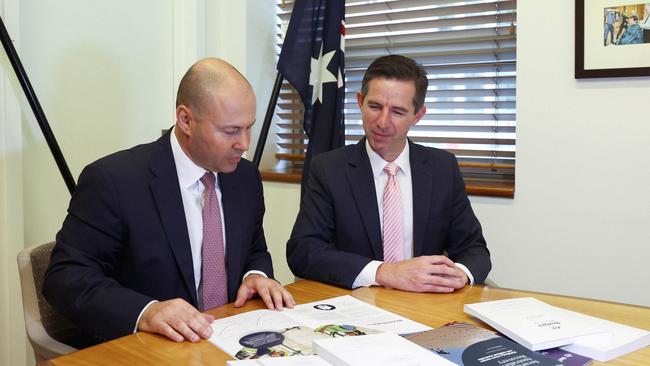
(274, 295)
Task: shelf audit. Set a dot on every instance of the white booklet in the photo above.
(622, 339)
(533, 323)
(376, 349)
(282, 361)
(269, 333)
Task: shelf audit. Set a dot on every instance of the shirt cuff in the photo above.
(254, 272)
(140, 316)
(467, 272)
(368, 275)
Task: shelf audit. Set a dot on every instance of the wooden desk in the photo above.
(430, 309)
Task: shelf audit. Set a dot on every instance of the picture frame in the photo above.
(595, 58)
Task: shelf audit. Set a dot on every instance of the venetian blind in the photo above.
(468, 49)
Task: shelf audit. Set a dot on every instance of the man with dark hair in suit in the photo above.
(158, 231)
(386, 211)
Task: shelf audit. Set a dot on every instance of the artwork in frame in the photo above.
(612, 38)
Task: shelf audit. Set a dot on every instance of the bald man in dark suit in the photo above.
(131, 253)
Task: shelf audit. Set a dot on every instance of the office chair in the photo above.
(45, 327)
(490, 283)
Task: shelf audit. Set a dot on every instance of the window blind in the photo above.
(468, 49)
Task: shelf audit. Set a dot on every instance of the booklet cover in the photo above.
(270, 333)
(469, 345)
(533, 323)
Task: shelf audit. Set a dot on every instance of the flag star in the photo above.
(320, 74)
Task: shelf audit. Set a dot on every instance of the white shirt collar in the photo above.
(188, 172)
(377, 163)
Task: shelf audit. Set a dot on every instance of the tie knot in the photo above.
(208, 180)
(391, 169)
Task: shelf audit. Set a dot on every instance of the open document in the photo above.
(269, 333)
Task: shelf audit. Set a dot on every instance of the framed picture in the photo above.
(612, 38)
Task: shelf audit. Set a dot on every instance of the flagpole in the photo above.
(257, 158)
(36, 108)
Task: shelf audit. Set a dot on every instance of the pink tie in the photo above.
(393, 251)
(214, 282)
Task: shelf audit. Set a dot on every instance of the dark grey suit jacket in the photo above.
(125, 241)
(337, 231)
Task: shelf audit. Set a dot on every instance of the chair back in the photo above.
(490, 283)
(46, 329)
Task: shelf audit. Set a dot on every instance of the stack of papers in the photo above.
(537, 326)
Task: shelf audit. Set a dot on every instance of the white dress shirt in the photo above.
(367, 276)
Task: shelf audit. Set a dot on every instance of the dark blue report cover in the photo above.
(469, 345)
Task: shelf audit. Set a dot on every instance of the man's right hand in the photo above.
(433, 273)
(177, 320)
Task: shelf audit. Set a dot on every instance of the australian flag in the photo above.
(312, 60)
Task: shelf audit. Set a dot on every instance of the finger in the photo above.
(276, 295)
(437, 280)
(242, 296)
(200, 326)
(441, 259)
(266, 297)
(445, 271)
(184, 329)
(169, 332)
(288, 298)
(437, 288)
(208, 318)
(460, 277)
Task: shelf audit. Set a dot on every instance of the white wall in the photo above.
(13, 347)
(282, 204)
(578, 224)
(106, 76)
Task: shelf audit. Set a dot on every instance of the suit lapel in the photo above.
(362, 184)
(166, 193)
(421, 181)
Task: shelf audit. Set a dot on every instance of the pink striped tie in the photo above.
(214, 282)
(393, 222)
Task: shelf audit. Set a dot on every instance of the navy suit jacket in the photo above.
(125, 240)
(337, 231)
